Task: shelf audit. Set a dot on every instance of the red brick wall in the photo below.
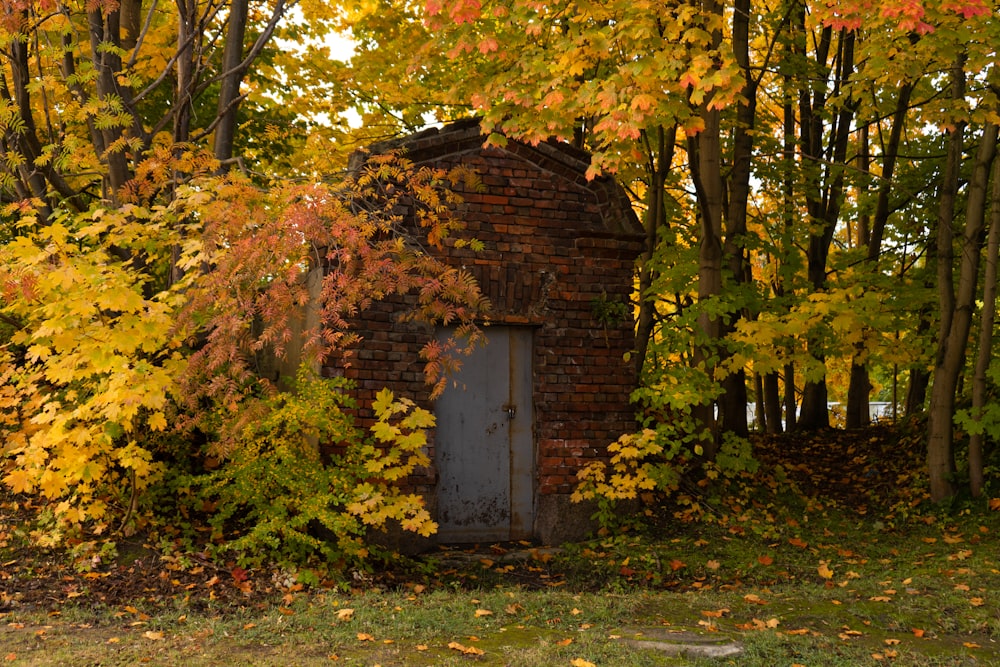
(554, 242)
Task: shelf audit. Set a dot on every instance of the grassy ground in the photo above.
(792, 579)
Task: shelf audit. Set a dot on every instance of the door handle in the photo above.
(510, 409)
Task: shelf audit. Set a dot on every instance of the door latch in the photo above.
(510, 409)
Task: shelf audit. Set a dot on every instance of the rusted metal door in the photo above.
(484, 447)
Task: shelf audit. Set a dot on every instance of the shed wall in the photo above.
(551, 249)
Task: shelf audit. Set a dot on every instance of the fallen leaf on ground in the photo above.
(483, 612)
(580, 662)
(718, 613)
(150, 634)
(344, 614)
(467, 650)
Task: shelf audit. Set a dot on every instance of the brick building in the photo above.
(550, 390)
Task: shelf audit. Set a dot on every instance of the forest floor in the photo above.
(828, 555)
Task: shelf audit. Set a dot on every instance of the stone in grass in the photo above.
(682, 644)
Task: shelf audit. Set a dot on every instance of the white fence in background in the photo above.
(877, 412)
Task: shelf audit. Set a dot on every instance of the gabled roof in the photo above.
(556, 157)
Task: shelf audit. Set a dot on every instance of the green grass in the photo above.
(836, 589)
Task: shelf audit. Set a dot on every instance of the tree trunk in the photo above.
(791, 404)
(186, 22)
(984, 354)
(656, 219)
(105, 32)
(232, 77)
(733, 402)
(772, 403)
(860, 385)
(958, 305)
(824, 210)
(705, 155)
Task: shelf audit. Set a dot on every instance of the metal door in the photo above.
(484, 448)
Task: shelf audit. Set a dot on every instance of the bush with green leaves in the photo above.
(279, 498)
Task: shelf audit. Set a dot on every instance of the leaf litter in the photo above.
(849, 509)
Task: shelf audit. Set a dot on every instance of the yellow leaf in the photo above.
(344, 614)
(580, 662)
(483, 612)
(150, 634)
(977, 602)
(365, 637)
(825, 571)
(157, 422)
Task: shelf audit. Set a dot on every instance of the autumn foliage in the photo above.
(137, 336)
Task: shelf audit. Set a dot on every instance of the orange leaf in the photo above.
(365, 637)
(564, 642)
(917, 632)
(765, 559)
(798, 542)
(718, 613)
(825, 571)
(467, 650)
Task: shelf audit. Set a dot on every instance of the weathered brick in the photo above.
(553, 242)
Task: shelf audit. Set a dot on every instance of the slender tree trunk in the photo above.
(187, 11)
(860, 385)
(733, 401)
(958, 305)
(772, 402)
(656, 214)
(232, 68)
(705, 154)
(984, 354)
(791, 400)
(104, 33)
(825, 210)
